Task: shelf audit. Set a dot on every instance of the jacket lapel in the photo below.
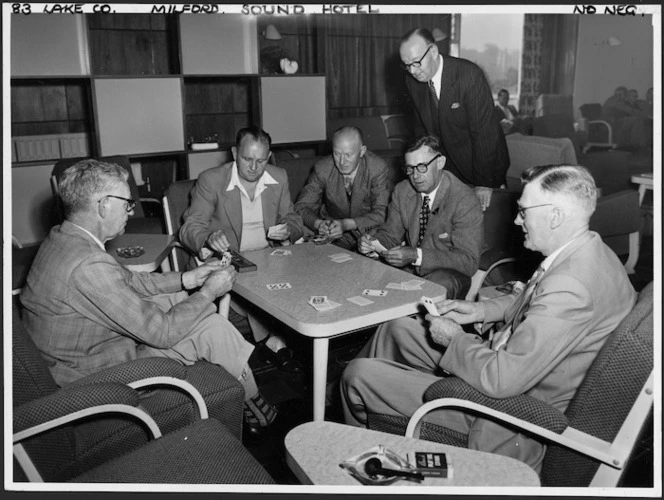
(413, 211)
(269, 205)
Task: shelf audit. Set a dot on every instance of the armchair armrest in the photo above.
(146, 373)
(524, 407)
(70, 400)
(67, 406)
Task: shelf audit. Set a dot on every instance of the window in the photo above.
(493, 41)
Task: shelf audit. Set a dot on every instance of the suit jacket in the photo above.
(453, 238)
(471, 138)
(324, 195)
(86, 312)
(575, 305)
(213, 208)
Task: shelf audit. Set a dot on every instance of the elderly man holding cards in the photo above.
(245, 205)
(434, 222)
(347, 192)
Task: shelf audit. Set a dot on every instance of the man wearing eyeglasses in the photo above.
(434, 222)
(86, 312)
(551, 331)
(453, 101)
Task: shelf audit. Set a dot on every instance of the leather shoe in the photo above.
(284, 359)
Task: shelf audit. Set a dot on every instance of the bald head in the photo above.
(347, 149)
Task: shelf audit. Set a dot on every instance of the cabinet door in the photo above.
(219, 44)
(139, 115)
(44, 44)
(293, 108)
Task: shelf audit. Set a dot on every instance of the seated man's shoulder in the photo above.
(216, 172)
(278, 173)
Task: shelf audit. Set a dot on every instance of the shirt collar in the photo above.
(263, 182)
(438, 76)
(546, 263)
(432, 194)
(97, 240)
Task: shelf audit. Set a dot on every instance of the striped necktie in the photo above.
(348, 185)
(433, 94)
(424, 219)
(503, 335)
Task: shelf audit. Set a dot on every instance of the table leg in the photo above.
(321, 346)
(642, 193)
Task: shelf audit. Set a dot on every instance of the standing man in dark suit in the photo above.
(434, 223)
(347, 193)
(452, 100)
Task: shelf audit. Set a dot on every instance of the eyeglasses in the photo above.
(131, 204)
(420, 167)
(416, 64)
(522, 210)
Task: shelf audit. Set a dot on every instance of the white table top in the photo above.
(310, 271)
(646, 178)
(314, 451)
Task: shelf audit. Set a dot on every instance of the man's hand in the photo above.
(484, 194)
(401, 256)
(219, 282)
(364, 244)
(217, 241)
(443, 330)
(462, 312)
(281, 234)
(323, 227)
(196, 277)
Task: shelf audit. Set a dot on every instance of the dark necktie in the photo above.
(502, 336)
(348, 185)
(433, 94)
(424, 219)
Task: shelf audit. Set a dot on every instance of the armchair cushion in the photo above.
(203, 453)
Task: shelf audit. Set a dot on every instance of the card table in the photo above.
(310, 271)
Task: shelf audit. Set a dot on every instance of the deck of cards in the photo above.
(340, 257)
(406, 285)
(321, 303)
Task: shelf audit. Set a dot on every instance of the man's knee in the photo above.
(457, 284)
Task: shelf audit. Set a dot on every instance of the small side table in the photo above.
(157, 248)
(314, 451)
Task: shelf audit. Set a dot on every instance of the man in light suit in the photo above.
(551, 334)
(347, 193)
(86, 312)
(434, 222)
(453, 101)
(245, 205)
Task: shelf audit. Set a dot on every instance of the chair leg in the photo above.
(633, 257)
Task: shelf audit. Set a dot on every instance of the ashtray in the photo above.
(130, 252)
(389, 459)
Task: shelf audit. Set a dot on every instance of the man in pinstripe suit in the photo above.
(452, 100)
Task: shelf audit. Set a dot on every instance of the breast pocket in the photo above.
(458, 115)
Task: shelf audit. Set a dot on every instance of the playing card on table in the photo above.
(278, 286)
(281, 251)
(396, 286)
(317, 299)
(375, 293)
(274, 229)
(341, 258)
(338, 255)
(412, 284)
(360, 301)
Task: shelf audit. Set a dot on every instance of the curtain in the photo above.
(548, 58)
